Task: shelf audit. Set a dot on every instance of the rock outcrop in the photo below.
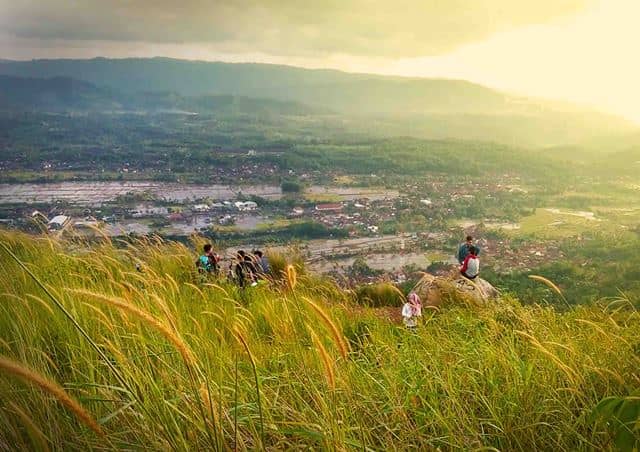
(434, 290)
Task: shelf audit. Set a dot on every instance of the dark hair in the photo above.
(469, 238)
(207, 248)
(473, 250)
(241, 253)
(258, 253)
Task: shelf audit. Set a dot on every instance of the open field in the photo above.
(96, 193)
(162, 359)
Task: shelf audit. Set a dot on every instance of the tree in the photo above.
(290, 186)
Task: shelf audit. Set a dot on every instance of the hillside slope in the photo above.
(165, 361)
(426, 108)
(64, 93)
(56, 93)
(363, 93)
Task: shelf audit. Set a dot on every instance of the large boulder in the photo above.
(434, 290)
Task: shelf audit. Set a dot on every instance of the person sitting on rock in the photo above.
(471, 265)
(411, 310)
(463, 249)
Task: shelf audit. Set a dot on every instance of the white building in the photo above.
(246, 206)
(58, 222)
(201, 208)
(143, 211)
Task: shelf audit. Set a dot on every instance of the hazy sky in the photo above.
(579, 50)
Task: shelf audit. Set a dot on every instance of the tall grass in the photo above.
(28, 376)
(164, 360)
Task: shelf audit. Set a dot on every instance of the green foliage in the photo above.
(594, 266)
(622, 417)
(377, 295)
(291, 186)
(304, 230)
(360, 268)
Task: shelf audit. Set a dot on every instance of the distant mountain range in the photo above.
(426, 108)
(61, 93)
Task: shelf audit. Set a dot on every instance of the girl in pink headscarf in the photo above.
(411, 310)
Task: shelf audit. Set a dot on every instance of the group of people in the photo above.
(245, 269)
(469, 268)
(468, 259)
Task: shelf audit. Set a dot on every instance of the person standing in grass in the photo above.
(464, 248)
(251, 269)
(262, 264)
(471, 266)
(244, 271)
(412, 310)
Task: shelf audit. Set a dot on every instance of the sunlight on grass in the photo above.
(172, 361)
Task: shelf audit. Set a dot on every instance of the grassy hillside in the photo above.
(164, 360)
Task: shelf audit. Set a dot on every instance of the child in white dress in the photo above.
(411, 310)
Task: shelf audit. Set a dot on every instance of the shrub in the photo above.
(377, 295)
(290, 186)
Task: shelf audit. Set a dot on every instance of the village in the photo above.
(360, 235)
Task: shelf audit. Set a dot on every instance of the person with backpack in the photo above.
(471, 266)
(244, 271)
(209, 262)
(464, 248)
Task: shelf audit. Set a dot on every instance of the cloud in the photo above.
(383, 28)
(590, 60)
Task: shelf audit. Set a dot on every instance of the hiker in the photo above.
(262, 263)
(244, 271)
(411, 310)
(471, 266)
(251, 269)
(463, 249)
(208, 262)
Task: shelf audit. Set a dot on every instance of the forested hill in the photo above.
(339, 90)
(418, 107)
(51, 93)
(66, 93)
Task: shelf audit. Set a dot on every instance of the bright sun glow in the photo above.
(591, 59)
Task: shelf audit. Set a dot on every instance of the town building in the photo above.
(331, 207)
(201, 208)
(58, 222)
(246, 206)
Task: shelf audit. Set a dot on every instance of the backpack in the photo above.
(204, 263)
